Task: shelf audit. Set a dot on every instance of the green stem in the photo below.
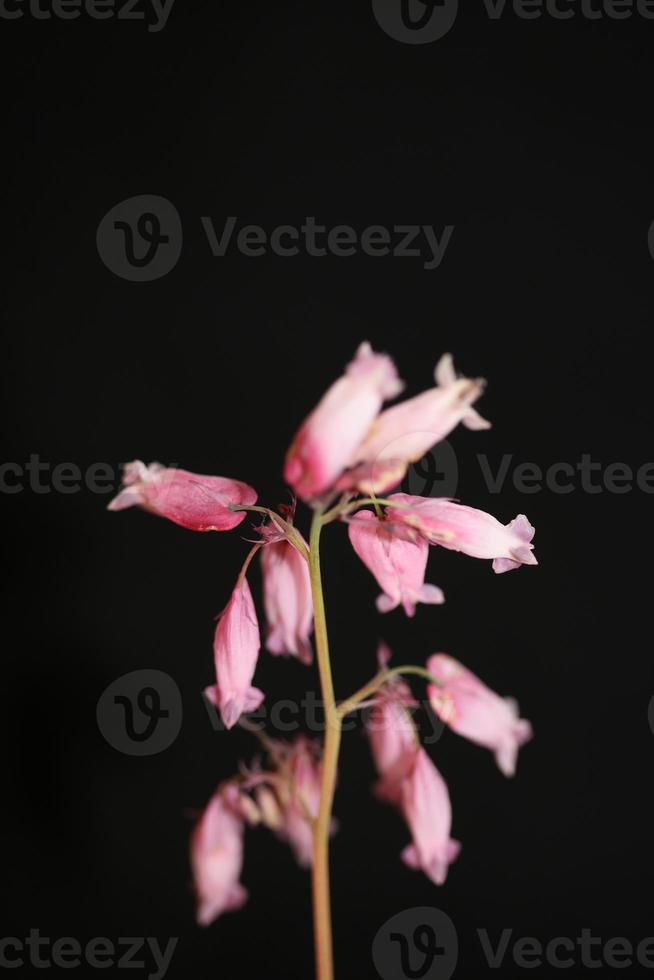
(340, 509)
(353, 702)
(320, 865)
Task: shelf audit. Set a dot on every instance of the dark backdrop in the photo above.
(532, 139)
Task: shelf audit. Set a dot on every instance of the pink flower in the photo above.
(471, 709)
(217, 857)
(287, 600)
(460, 528)
(197, 502)
(391, 734)
(398, 564)
(425, 805)
(302, 799)
(405, 432)
(236, 649)
(329, 436)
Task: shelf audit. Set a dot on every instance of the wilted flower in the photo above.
(287, 600)
(217, 857)
(465, 529)
(236, 649)
(403, 433)
(197, 502)
(398, 564)
(471, 709)
(425, 804)
(330, 435)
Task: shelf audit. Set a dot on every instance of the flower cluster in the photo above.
(347, 453)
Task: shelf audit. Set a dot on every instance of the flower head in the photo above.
(287, 600)
(460, 528)
(217, 856)
(195, 501)
(471, 709)
(330, 435)
(391, 734)
(236, 649)
(398, 564)
(403, 433)
(425, 805)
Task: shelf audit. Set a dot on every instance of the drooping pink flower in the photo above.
(460, 528)
(398, 564)
(403, 433)
(474, 711)
(329, 436)
(217, 857)
(301, 798)
(196, 501)
(236, 649)
(391, 734)
(425, 805)
(287, 600)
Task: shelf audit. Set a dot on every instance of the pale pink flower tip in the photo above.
(193, 500)
(330, 435)
(474, 711)
(459, 528)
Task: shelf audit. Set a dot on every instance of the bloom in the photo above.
(287, 600)
(217, 857)
(425, 805)
(460, 528)
(398, 564)
(197, 502)
(403, 433)
(236, 649)
(329, 436)
(391, 734)
(471, 709)
(300, 767)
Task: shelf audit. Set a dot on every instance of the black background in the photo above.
(532, 138)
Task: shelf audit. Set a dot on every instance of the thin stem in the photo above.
(320, 866)
(340, 509)
(354, 702)
(246, 564)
